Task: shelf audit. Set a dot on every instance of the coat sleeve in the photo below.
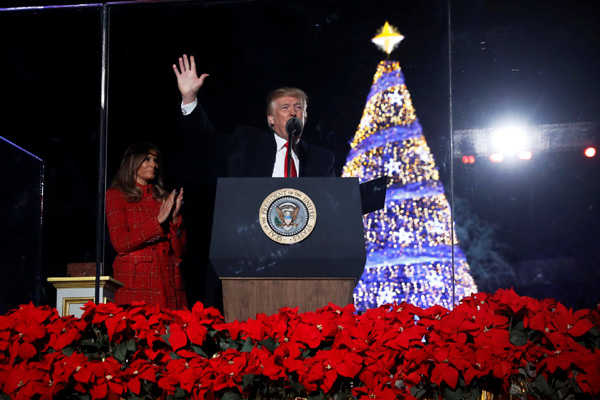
(178, 238)
(122, 236)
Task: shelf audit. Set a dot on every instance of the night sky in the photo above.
(534, 62)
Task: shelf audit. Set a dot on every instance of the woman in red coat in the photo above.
(146, 230)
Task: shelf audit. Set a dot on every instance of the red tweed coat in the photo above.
(148, 253)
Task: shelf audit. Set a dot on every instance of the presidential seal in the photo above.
(287, 216)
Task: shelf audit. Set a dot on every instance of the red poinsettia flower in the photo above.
(234, 328)
(510, 301)
(264, 362)
(20, 382)
(171, 376)
(228, 368)
(449, 361)
(378, 367)
(430, 317)
(197, 380)
(589, 377)
(306, 334)
(99, 377)
(566, 321)
(136, 372)
(380, 392)
(354, 338)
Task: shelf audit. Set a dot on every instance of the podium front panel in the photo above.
(335, 248)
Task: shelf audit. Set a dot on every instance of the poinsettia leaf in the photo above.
(417, 392)
(342, 396)
(229, 395)
(474, 394)
(89, 342)
(269, 343)
(67, 351)
(247, 347)
(456, 394)
(199, 350)
(541, 384)
(320, 396)
(518, 334)
(226, 343)
(248, 379)
(180, 394)
(131, 346)
(271, 392)
(120, 352)
(296, 387)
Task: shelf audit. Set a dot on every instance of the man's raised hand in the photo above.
(187, 79)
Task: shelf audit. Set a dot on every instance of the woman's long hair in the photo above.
(125, 178)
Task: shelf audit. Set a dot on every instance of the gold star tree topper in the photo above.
(387, 38)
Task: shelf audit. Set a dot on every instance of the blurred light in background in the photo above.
(525, 155)
(510, 140)
(496, 157)
(468, 159)
(590, 152)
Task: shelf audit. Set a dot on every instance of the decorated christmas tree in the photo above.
(411, 244)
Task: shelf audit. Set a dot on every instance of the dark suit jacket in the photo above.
(250, 151)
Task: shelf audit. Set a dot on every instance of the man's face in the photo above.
(284, 109)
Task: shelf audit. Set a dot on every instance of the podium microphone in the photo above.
(293, 127)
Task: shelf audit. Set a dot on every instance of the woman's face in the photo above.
(148, 170)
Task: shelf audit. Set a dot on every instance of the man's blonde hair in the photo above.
(285, 92)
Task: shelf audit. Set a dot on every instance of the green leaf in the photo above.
(247, 347)
(68, 351)
(120, 352)
(320, 396)
(518, 334)
(296, 387)
(475, 394)
(342, 396)
(418, 392)
(456, 394)
(306, 353)
(89, 342)
(229, 395)
(541, 384)
(180, 394)
(269, 343)
(198, 350)
(131, 345)
(248, 380)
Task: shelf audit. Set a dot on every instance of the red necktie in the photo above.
(293, 172)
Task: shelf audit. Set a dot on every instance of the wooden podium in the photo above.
(260, 274)
(243, 298)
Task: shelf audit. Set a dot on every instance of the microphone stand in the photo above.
(290, 160)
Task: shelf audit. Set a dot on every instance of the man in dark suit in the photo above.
(246, 152)
(250, 151)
